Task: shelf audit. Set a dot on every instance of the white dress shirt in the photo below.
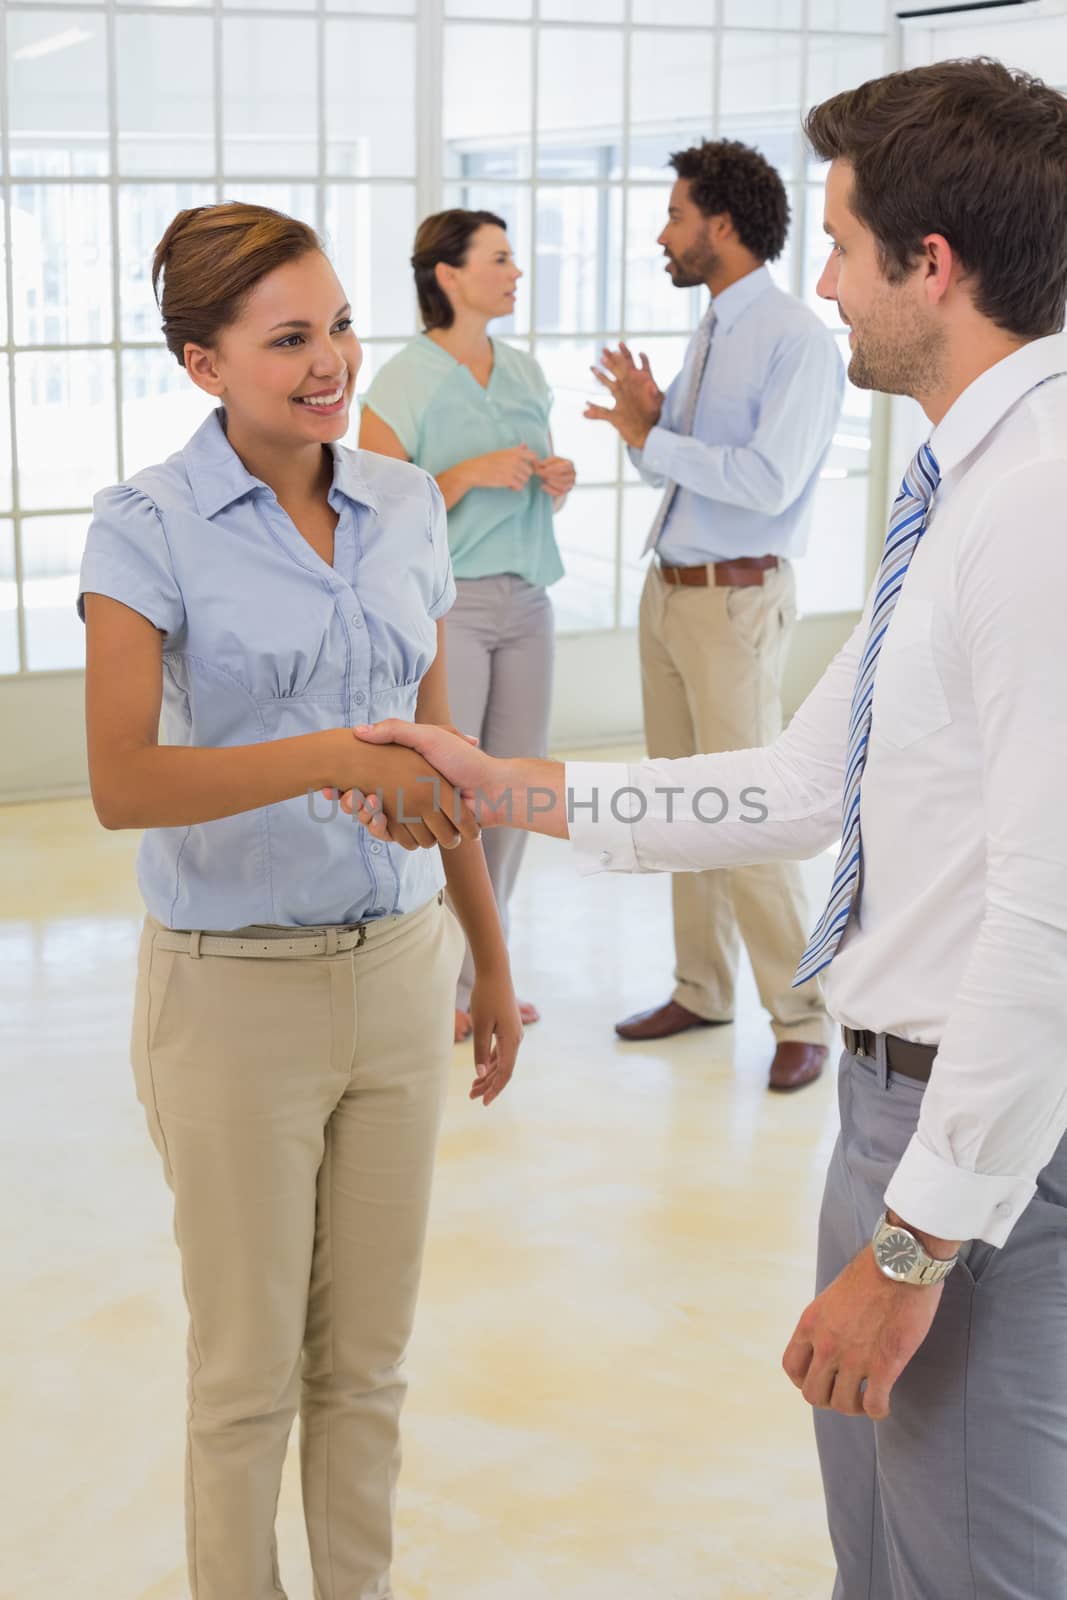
(960, 939)
(769, 402)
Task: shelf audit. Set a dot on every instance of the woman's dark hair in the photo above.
(975, 152)
(725, 176)
(446, 236)
(210, 258)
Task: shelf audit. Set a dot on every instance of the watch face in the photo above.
(897, 1252)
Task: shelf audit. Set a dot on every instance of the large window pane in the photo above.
(57, 93)
(577, 262)
(146, 210)
(582, 10)
(861, 16)
(65, 420)
(585, 528)
(269, 121)
(370, 230)
(652, 301)
(592, 446)
(832, 575)
(295, 199)
(370, 112)
(764, 13)
(397, 8)
(61, 238)
(487, 101)
(166, 104)
(51, 559)
(489, 8)
(579, 109)
(672, 76)
(3, 273)
(513, 207)
(9, 628)
(274, 5)
(161, 407)
(761, 85)
(683, 12)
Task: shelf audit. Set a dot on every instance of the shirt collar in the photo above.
(218, 476)
(991, 396)
(739, 296)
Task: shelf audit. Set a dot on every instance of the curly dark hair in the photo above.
(726, 176)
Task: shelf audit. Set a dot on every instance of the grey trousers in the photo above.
(961, 1493)
(500, 637)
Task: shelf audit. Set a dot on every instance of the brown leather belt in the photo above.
(740, 573)
(901, 1055)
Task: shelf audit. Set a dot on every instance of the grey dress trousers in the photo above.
(499, 638)
(961, 1493)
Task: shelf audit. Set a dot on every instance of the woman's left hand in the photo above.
(498, 1034)
(557, 475)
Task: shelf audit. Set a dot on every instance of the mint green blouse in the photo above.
(442, 415)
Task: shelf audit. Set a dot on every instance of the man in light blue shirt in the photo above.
(736, 443)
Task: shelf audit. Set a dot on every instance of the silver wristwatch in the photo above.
(901, 1257)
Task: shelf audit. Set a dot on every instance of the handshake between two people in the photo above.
(433, 785)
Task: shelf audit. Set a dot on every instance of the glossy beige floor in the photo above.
(619, 1250)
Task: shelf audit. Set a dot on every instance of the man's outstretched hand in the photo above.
(522, 793)
(453, 755)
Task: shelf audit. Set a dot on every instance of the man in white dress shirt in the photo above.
(935, 747)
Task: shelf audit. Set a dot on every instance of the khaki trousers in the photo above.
(296, 1104)
(711, 675)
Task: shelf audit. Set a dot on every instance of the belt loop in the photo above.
(881, 1065)
(331, 941)
(194, 944)
(440, 897)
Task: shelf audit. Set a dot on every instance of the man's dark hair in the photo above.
(446, 236)
(973, 151)
(725, 176)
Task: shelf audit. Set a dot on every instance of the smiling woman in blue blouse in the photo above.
(266, 589)
(474, 412)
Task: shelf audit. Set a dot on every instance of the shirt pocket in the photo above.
(909, 698)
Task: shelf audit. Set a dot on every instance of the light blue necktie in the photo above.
(701, 351)
(906, 527)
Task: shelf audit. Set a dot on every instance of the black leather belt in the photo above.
(901, 1055)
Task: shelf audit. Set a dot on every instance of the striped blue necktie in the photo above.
(906, 527)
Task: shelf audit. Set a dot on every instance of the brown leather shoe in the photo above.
(663, 1021)
(796, 1064)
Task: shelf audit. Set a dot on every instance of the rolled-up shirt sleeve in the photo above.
(736, 808)
(996, 1105)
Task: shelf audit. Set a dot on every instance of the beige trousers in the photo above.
(711, 675)
(296, 1104)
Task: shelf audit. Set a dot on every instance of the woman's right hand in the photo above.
(503, 469)
(422, 808)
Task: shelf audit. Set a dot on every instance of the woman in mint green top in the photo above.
(474, 412)
(442, 415)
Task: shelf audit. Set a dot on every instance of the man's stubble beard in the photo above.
(906, 355)
(694, 269)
